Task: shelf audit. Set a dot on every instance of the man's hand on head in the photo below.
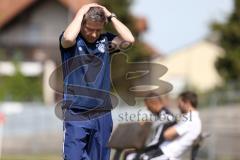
(83, 10)
(106, 11)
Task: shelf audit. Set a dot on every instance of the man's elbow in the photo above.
(131, 40)
(67, 41)
(168, 136)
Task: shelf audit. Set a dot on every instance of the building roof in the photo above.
(11, 8)
(141, 24)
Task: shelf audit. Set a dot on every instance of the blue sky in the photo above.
(174, 24)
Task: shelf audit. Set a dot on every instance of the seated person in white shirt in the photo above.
(179, 137)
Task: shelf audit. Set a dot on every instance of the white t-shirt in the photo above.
(188, 128)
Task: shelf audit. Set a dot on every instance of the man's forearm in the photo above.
(122, 30)
(73, 29)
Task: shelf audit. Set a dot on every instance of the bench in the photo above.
(134, 136)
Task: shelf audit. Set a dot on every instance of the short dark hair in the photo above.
(152, 95)
(189, 96)
(95, 14)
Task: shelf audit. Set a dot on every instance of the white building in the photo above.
(193, 66)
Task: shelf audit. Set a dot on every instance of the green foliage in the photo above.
(121, 8)
(228, 66)
(137, 52)
(20, 88)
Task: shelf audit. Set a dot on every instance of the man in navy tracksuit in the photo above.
(86, 69)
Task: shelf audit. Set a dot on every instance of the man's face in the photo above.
(91, 30)
(183, 106)
(153, 104)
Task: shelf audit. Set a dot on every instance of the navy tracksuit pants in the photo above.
(87, 140)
